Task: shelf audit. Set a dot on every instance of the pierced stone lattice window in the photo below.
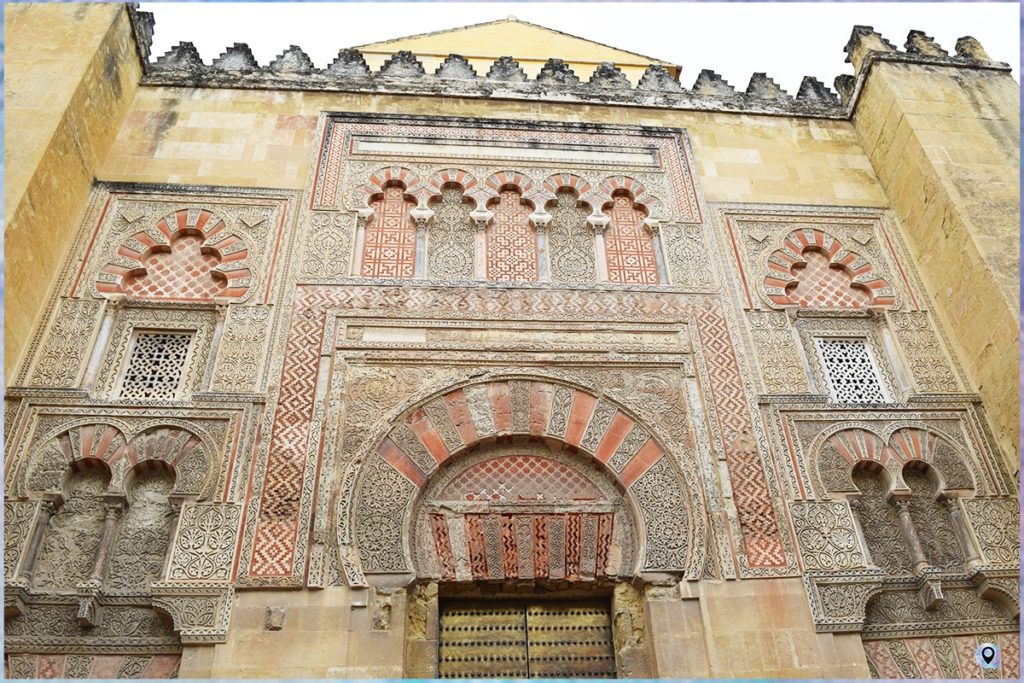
(850, 371)
(156, 365)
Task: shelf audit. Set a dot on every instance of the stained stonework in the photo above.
(379, 364)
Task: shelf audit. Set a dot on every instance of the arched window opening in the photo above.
(931, 521)
(878, 521)
(450, 240)
(137, 557)
(511, 239)
(389, 250)
(629, 245)
(72, 537)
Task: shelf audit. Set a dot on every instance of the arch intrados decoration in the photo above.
(785, 263)
(906, 444)
(452, 423)
(218, 240)
(559, 182)
(413, 189)
(452, 176)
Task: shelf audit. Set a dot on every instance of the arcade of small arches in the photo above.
(903, 492)
(506, 229)
(108, 505)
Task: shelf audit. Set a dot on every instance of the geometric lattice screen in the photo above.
(156, 365)
(850, 371)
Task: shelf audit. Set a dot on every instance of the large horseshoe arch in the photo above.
(411, 492)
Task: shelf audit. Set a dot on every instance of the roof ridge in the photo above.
(647, 58)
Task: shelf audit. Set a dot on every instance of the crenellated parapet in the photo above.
(403, 73)
(866, 47)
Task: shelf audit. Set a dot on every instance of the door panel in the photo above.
(543, 639)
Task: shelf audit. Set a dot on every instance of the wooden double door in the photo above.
(519, 639)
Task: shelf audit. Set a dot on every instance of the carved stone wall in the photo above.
(480, 350)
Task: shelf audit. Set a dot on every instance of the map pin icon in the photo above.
(988, 653)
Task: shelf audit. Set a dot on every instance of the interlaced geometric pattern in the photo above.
(511, 243)
(390, 246)
(629, 247)
(850, 371)
(762, 538)
(274, 547)
(182, 273)
(156, 364)
(521, 477)
(821, 286)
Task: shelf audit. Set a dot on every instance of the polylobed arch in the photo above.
(790, 281)
(134, 256)
(174, 447)
(842, 448)
(435, 433)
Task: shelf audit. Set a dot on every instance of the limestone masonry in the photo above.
(443, 362)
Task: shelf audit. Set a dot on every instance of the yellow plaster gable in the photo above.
(529, 44)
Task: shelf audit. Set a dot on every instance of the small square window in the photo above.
(156, 365)
(850, 371)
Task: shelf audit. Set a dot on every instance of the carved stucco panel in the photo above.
(204, 546)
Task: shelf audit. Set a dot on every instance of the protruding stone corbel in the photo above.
(200, 614)
(14, 600)
(929, 592)
(920, 44)
(1002, 587)
(90, 612)
(969, 47)
(863, 41)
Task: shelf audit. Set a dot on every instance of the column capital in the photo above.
(480, 218)
(599, 222)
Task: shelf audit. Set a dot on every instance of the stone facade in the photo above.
(322, 364)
